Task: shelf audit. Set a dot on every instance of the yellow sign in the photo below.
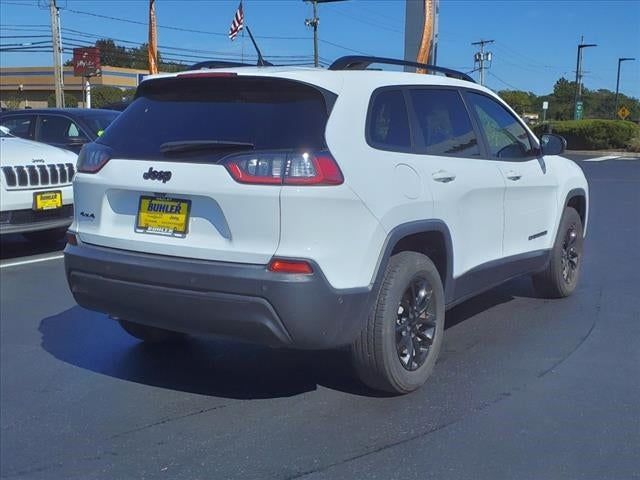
(164, 216)
(47, 200)
(623, 112)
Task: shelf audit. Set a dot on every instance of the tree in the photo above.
(102, 95)
(521, 102)
(561, 102)
(112, 54)
(12, 102)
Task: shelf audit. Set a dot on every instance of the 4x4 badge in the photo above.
(152, 174)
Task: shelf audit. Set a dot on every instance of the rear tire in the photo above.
(397, 349)
(46, 236)
(561, 275)
(149, 334)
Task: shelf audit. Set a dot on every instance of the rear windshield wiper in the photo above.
(195, 145)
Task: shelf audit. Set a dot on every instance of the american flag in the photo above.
(237, 24)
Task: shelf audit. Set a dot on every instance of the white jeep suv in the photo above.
(36, 197)
(314, 209)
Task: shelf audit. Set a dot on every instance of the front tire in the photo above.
(397, 349)
(560, 278)
(149, 334)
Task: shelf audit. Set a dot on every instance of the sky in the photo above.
(535, 41)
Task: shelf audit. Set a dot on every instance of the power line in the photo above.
(179, 29)
(371, 23)
(503, 81)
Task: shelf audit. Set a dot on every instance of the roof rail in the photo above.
(361, 62)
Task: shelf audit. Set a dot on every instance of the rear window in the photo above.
(265, 112)
(99, 122)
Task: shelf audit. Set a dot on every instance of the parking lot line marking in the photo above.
(601, 159)
(33, 260)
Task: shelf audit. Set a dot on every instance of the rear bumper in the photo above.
(28, 220)
(241, 301)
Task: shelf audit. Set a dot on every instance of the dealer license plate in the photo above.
(163, 216)
(47, 200)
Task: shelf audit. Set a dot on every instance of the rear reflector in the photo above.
(72, 239)
(290, 266)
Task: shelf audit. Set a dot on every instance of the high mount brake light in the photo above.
(284, 168)
(207, 75)
(278, 265)
(93, 157)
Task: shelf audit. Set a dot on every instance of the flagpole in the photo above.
(242, 42)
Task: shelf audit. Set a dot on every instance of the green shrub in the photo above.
(70, 101)
(633, 145)
(592, 134)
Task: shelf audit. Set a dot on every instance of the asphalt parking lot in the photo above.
(525, 388)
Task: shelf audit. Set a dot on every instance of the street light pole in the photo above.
(578, 94)
(620, 60)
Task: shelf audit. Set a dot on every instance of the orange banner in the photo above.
(427, 33)
(153, 39)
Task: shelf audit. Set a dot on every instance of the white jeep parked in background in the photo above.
(315, 208)
(36, 196)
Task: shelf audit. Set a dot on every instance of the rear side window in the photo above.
(19, 125)
(444, 123)
(262, 113)
(58, 129)
(388, 122)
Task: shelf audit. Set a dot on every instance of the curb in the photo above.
(603, 153)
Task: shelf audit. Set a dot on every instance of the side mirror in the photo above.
(552, 144)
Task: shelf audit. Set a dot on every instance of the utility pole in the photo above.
(314, 22)
(57, 53)
(620, 60)
(481, 57)
(577, 102)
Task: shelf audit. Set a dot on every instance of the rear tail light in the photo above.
(93, 157)
(284, 168)
(279, 265)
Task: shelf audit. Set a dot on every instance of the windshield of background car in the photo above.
(99, 122)
(268, 113)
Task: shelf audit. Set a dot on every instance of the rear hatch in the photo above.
(159, 180)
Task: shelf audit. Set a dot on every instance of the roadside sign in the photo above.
(623, 112)
(545, 105)
(578, 113)
(86, 62)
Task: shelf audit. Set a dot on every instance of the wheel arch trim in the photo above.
(576, 193)
(405, 230)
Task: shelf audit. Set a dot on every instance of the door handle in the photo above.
(443, 176)
(512, 175)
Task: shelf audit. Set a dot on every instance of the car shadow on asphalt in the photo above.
(218, 367)
(15, 245)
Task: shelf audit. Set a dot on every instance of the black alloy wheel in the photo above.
(416, 324)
